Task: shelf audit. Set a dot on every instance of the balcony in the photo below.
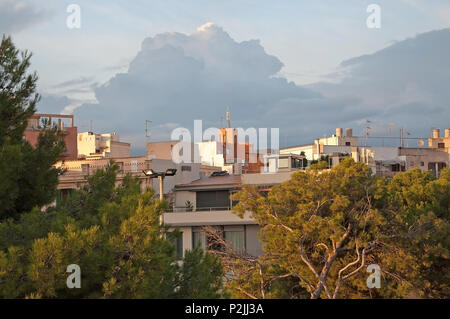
(182, 216)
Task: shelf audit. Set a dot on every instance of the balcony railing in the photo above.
(197, 209)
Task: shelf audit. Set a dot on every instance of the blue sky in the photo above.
(310, 38)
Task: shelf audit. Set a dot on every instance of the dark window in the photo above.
(347, 143)
(441, 145)
(185, 168)
(66, 193)
(213, 199)
(398, 168)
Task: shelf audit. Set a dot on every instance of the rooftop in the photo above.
(228, 180)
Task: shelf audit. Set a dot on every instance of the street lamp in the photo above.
(160, 175)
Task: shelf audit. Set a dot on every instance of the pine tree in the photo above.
(27, 178)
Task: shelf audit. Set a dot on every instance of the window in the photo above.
(422, 164)
(208, 200)
(199, 239)
(185, 168)
(63, 194)
(296, 163)
(85, 169)
(236, 239)
(66, 193)
(397, 168)
(283, 163)
(120, 164)
(441, 145)
(176, 238)
(134, 166)
(347, 143)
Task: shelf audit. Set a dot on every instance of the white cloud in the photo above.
(176, 78)
(17, 15)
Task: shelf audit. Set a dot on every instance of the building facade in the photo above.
(96, 146)
(65, 124)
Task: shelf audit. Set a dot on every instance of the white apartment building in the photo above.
(383, 160)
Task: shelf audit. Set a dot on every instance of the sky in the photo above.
(303, 66)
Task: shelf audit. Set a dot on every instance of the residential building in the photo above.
(65, 124)
(438, 142)
(207, 202)
(96, 146)
(77, 171)
(383, 160)
(336, 144)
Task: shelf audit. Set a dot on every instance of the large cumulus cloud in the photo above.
(176, 78)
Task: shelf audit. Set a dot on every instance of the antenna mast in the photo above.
(147, 132)
(367, 131)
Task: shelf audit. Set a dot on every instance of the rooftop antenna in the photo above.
(401, 137)
(147, 131)
(228, 118)
(391, 127)
(367, 131)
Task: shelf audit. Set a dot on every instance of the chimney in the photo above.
(447, 132)
(339, 132)
(436, 133)
(348, 132)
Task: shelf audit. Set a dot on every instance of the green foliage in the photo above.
(26, 173)
(113, 234)
(320, 222)
(201, 275)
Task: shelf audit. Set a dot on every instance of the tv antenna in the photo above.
(147, 131)
(367, 131)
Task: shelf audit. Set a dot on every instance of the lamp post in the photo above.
(160, 175)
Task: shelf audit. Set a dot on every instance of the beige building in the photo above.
(436, 141)
(97, 146)
(207, 202)
(338, 143)
(77, 171)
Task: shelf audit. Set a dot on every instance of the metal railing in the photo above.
(197, 209)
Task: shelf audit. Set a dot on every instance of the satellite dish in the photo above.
(421, 143)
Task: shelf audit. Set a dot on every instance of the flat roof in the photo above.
(303, 145)
(228, 180)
